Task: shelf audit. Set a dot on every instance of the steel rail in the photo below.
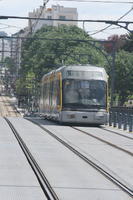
(125, 188)
(111, 131)
(43, 181)
(8, 109)
(104, 141)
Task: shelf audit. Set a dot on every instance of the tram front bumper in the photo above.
(99, 117)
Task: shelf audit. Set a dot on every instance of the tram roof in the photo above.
(82, 68)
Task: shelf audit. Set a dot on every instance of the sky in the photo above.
(86, 10)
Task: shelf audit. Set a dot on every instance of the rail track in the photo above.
(6, 109)
(104, 141)
(100, 169)
(43, 181)
(113, 132)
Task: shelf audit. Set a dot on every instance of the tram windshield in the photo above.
(84, 93)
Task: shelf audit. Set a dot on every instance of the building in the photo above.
(4, 49)
(16, 46)
(55, 12)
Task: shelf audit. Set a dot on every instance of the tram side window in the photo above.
(54, 95)
(45, 92)
(51, 93)
(58, 92)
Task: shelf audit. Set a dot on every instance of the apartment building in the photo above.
(16, 46)
(4, 49)
(55, 12)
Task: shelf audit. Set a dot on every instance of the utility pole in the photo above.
(45, 2)
(113, 74)
(30, 26)
(3, 47)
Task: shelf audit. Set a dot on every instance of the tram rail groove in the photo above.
(111, 131)
(44, 183)
(110, 177)
(104, 141)
(8, 108)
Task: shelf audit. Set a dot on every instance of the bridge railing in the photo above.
(121, 117)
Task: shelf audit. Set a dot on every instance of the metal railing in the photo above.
(121, 117)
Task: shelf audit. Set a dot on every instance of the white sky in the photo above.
(86, 10)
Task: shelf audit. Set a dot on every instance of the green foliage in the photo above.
(42, 55)
(24, 85)
(129, 43)
(52, 47)
(10, 65)
(124, 75)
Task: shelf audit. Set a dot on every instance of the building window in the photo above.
(49, 17)
(62, 17)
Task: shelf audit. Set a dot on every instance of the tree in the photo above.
(10, 73)
(129, 43)
(10, 65)
(41, 56)
(124, 75)
(119, 42)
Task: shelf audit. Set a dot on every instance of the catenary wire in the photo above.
(42, 8)
(121, 2)
(10, 25)
(111, 24)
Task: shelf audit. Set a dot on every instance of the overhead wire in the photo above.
(94, 1)
(9, 25)
(108, 29)
(88, 1)
(42, 8)
(101, 30)
(38, 18)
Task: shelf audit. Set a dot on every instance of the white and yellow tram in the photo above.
(75, 94)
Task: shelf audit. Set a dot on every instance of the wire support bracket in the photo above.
(126, 26)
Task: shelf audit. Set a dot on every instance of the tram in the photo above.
(75, 94)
